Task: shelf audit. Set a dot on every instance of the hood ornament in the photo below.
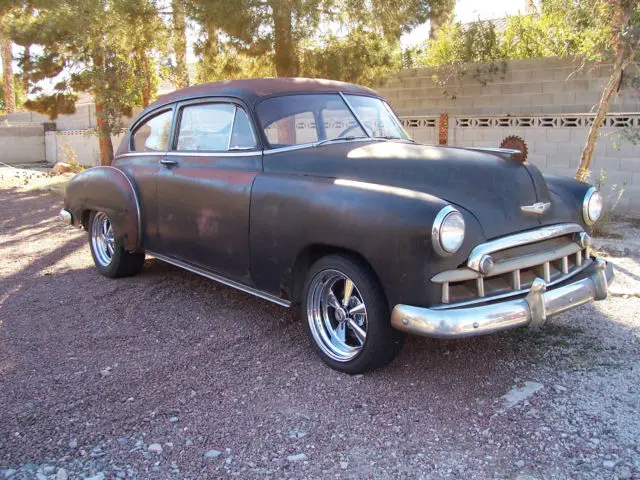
(538, 208)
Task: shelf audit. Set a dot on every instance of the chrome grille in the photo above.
(514, 270)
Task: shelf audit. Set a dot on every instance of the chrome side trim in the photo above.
(533, 310)
(221, 279)
(289, 148)
(523, 238)
(140, 154)
(537, 208)
(209, 153)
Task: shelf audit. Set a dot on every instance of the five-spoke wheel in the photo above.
(111, 259)
(347, 316)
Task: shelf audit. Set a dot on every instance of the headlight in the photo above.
(592, 206)
(447, 233)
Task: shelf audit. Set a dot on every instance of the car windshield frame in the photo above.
(355, 121)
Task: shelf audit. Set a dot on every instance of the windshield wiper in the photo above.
(389, 137)
(328, 140)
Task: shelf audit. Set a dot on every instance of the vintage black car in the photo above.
(309, 193)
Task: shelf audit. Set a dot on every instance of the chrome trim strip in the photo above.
(209, 153)
(138, 211)
(513, 293)
(435, 230)
(518, 239)
(532, 310)
(315, 144)
(537, 208)
(353, 112)
(140, 154)
(221, 279)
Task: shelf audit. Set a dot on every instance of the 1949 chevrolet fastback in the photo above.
(310, 193)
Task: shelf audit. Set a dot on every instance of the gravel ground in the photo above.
(168, 375)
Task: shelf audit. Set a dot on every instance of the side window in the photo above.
(242, 137)
(293, 130)
(153, 135)
(205, 127)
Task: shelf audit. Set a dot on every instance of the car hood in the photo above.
(491, 187)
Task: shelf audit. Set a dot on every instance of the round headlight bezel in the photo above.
(445, 215)
(587, 205)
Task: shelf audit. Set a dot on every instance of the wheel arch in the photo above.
(108, 190)
(314, 252)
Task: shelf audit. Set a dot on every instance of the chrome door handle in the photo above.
(168, 162)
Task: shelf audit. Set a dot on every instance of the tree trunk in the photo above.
(286, 58)
(104, 137)
(26, 67)
(441, 14)
(145, 69)
(7, 73)
(623, 57)
(180, 44)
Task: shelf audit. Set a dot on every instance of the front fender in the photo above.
(108, 190)
(387, 226)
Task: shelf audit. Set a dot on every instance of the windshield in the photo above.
(301, 119)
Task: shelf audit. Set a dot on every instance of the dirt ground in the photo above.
(169, 375)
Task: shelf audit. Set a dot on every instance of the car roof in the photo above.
(255, 89)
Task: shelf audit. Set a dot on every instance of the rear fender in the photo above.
(108, 190)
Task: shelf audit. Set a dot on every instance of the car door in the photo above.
(149, 142)
(204, 187)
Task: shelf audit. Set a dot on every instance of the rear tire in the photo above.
(110, 258)
(346, 316)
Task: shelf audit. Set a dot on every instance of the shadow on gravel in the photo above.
(93, 359)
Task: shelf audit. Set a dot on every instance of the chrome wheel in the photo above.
(102, 239)
(337, 315)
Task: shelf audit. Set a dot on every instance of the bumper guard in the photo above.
(532, 310)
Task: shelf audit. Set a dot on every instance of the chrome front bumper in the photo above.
(532, 310)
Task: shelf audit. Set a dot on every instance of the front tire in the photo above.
(346, 315)
(110, 258)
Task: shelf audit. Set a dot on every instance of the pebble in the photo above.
(624, 472)
(559, 388)
(519, 463)
(173, 419)
(300, 457)
(10, 473)
(211, 454)
(154, 448)
(48, 469)
(62, 474)
(344, 465)
(73, 443)
(97, 476)
(188, 442)
(609, 464)
(41, 476)
(123, 441)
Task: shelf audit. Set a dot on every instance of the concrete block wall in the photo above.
(531, 86)
(22, 143)
(82, 142)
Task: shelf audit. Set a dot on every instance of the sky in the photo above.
(468, 11)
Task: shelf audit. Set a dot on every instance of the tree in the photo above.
(441, 14)
(7, 70)
(108, 54)
(180, 43)
(620, 20)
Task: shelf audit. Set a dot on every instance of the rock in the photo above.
(517, 394)
(519, 463)
(10, 473)
(60, 168)
(344, 465)
(121, 474)
(154, 448)
(212, 454)
(173, 419)
(624, 472)
(609, 464)
(300, 457)
(62, 474)
(188, 442)
(41, 476)
(559, 388)
(123, 441)
(97, 476)
(73, 443)
(48, 469)
(29, 467)
(105, 372)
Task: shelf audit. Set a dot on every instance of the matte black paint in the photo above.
(251, 217)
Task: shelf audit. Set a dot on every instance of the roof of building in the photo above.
(255, 89)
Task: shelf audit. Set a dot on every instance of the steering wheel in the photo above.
(347, 130)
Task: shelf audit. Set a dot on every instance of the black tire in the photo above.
(382, 343)
(113, 261)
